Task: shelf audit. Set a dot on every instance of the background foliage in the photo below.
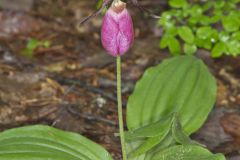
(211, 25)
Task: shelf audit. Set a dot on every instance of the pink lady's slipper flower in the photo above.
(117, 32)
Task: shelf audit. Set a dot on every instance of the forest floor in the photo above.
(71, 83)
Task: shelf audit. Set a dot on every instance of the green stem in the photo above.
(120, 113)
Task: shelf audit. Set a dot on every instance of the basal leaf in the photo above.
(47, 143)
(182, 84)
(179, 134)
(187, 152)
(149, 143)
(132, 146)
(135, 145)
(158, 128)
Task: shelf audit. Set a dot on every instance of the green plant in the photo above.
(33, 44)
(211, 25)
(43, 142)
(169, 103)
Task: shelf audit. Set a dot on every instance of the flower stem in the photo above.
(120, 113)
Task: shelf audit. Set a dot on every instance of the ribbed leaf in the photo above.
(47, 143)
(148, 145)
(181, 84)
(135, 145)
(152, 135)
(178, 133)
(189, 152)
(158, 128)
(131, 146)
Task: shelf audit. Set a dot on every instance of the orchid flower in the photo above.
(117, 32)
